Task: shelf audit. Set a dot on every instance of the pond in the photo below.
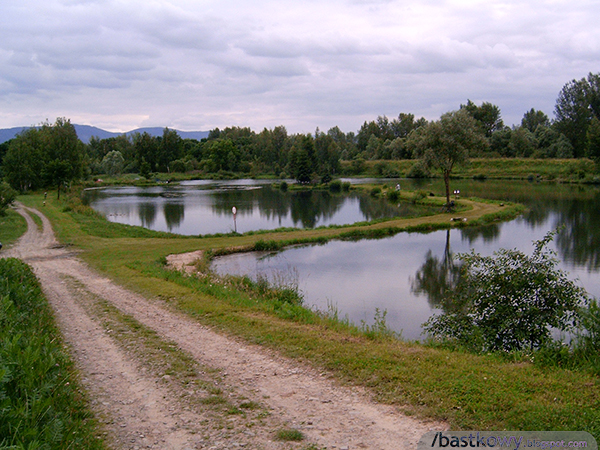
(205, 207)
(404, 275)
(401, 275)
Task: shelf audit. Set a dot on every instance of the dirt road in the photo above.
(232, 395)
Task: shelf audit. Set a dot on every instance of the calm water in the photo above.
(404, 275)
(205, 207)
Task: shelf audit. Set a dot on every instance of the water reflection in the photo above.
(174, 214)
(579, 242)
(409, 275)
(205, 208)
(147, 212)
(437, 277)
(406, 275)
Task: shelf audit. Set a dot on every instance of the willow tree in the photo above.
(447, 143)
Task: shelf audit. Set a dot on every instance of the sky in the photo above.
(195, 65)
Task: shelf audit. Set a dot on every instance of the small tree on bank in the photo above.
(444, 144)
(510, 301)
(7, 197)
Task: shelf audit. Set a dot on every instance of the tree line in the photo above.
(52, 155)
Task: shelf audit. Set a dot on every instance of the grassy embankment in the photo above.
(41, 405)
(565, 170)
(468, 391)
(12, 226)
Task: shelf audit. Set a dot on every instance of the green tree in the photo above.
(509, 301)
(146, 149)
(532, 119)
(23, 162)
(303, 159)
(522, 143)
(113, 163)
(7, 197)
(487, 116)
(63, 154)
(49, 155)
(446, 143)
(577, 103)
(170, 149)
(593, 137)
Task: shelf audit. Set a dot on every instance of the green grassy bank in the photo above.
(12, 226)
(41, 406)
(480, 392)
(562, 170)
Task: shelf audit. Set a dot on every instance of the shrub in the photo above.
(7, 197)
(266, 246)
(509, 301)
(589, 334)
(418, 196)
(375, 192)
(393, 196)
(335, 186)
(418, 170)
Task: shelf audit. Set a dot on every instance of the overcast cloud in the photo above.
(197, 65)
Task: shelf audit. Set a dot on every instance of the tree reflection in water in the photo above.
(437, 279)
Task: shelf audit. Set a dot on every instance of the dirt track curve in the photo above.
(138, 405)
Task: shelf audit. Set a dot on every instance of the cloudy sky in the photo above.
(201, 64)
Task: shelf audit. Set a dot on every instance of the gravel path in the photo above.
(141, 408)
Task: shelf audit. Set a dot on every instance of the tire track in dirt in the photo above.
(331, 416)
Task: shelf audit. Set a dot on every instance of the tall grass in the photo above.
(12, 226)
(41, 406)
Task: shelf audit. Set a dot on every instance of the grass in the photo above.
(468, 391)
(568, 170)
(202, 388)
(12, 226)
(290, 434)
(41, 403)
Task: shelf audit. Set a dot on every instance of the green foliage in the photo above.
(7, 197)
(509, 301)
(589, 329)
(113, 163)
(375, 192)
(335, 186)
(419, 170)
(419, 196)
(577, 104)
(393, 196)
(444, 144)
(40, 406)
(290, 434)
(487, 116)
(51, 155)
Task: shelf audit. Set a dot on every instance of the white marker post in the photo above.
(234, 211)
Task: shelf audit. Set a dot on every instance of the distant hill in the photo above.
(85, 132)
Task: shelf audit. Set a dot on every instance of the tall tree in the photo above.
(577, 103)
(64, 154)
(170, 149)
(487, 116)
(447, 143)
(532, 119)
(23, 162)
(49, 155)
